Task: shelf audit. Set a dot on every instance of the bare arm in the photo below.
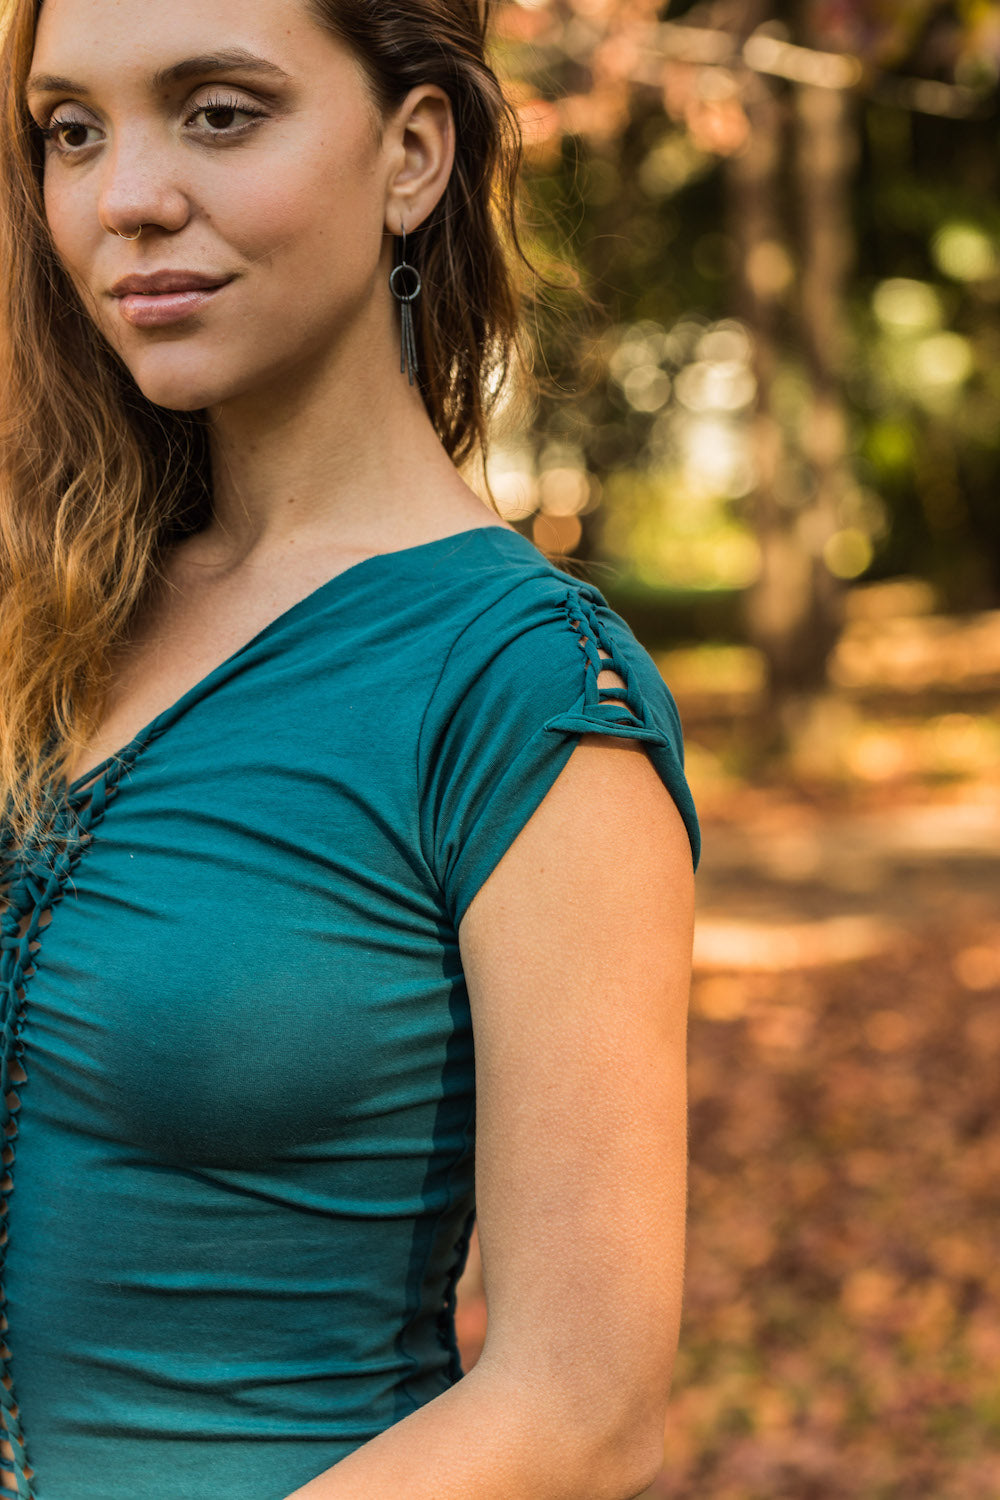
(577, 954)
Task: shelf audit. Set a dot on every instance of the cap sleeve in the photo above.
(518, 689)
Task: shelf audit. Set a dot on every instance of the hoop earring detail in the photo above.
(406, 299)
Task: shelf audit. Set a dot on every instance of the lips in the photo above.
(159, 283)
(159, 309)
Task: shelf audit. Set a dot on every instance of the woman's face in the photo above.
(264, 174)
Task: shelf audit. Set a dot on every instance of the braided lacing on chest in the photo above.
(32, 882)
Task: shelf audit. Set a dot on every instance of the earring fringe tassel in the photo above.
(407, 335)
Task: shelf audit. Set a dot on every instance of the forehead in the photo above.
(128, 41)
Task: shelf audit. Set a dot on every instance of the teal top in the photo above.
(237, 1050)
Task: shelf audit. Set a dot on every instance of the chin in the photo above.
(186, 400)
(178, 390)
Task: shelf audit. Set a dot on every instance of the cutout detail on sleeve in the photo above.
(594, 713)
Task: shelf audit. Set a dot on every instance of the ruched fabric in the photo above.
(237, 1053)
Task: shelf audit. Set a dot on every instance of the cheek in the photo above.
(71, 209)
(71, 223)
(64, 220)
(322, 201)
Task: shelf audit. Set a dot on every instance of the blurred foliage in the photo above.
(778, 418)
(646, 451)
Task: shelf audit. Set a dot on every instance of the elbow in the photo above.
(624, 1462)
(593, 1444)
(626, 1470)
(632, 1452)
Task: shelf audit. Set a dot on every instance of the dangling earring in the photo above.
(406, 299)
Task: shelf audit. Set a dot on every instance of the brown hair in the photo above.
(96, 481)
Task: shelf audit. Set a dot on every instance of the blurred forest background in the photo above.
(771, 436)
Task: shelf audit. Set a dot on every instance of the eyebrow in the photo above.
(212, 62)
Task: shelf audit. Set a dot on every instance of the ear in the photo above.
(419, 140)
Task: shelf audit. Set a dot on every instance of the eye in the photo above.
(226, 106)
(56, 125)
(222, 105)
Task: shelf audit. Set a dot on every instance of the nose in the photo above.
(141, 184)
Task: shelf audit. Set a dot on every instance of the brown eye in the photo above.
(54, 131)
(219, 114)
(220, 109)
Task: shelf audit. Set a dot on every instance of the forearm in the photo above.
(483, 1439)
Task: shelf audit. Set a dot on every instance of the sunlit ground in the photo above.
(841, 1336)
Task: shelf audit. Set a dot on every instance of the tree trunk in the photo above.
(825, 158)
(793, 611)
(777, 602)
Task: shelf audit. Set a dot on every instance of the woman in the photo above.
(313, 776)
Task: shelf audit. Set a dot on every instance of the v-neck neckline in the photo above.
(84, 785)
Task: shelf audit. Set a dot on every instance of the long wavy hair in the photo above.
(97, 483)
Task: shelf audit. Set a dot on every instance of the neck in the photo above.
(340, 453)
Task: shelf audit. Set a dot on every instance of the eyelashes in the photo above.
(222, 104)
(227, 106)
